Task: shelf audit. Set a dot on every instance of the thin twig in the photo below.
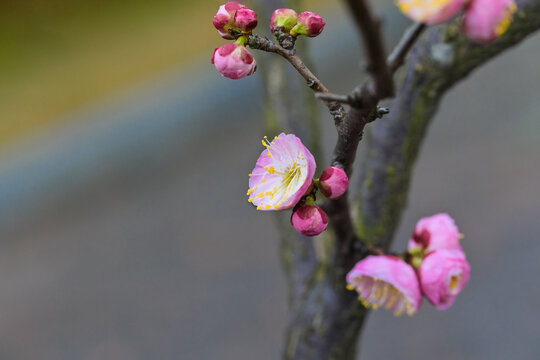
(256, 42)
(370, 32)
(397, 57)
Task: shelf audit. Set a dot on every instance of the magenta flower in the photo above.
(309, 220)
(333, 182)
(233, 61)
(386, 281)
(309, 24)
(486, 20)
(443, 275)
(435, 232)
(431, 12)
(282, 175)
(285, 19)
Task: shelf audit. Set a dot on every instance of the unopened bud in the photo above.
(226, 19)
(309, 24)
(234, 61)
(245, 19)
(283, 19)
(333, 182)
(309, 220)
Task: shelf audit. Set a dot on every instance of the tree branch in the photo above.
(326, 319)
(370, 31)
(256, 42)
(396, 58)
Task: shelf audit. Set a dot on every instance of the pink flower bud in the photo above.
(233, 61)
(486, 20)
(386, 281)
(333, 182)
(245, 20)
(224, 19)
(309, 220)
(431, 12)
(443, 274)
(284, 19)
(309, 24)
(435, 232)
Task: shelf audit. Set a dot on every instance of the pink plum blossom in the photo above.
(282, 175)
(245, 19)
(443, 275)
(333, 182)
(435, 232)
(486, 20)
(309, 24)
(224, 19)
(386, 281)
(285, 19)
(431, 12)
(233, 61)
(309, 220)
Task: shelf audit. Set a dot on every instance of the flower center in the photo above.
(454, 281)
(506, 20)
(374, 293)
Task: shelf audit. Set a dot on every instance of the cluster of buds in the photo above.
(234, 61)
(434, 266)
(235, 21)
(283, 178)
(286, 25)
(484, 20)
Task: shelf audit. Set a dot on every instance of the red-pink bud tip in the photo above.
(309, 220)
(333, 182)
(309, 24)
(245, 19)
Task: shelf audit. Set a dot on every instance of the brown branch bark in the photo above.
(326, 319)
(370, 32)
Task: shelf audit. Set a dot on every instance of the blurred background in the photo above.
(124, 227)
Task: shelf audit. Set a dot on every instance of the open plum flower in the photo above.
(282, 175)
(431, 12)
(486, 20)
(443, 275)
(435, 232)
(386, 281)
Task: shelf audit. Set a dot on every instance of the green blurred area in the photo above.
(59, 55)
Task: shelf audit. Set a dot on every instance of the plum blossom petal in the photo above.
(386, 281)
(282, 175)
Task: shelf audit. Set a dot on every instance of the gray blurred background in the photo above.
(126, 234)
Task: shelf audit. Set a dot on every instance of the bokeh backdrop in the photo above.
(124, 228)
